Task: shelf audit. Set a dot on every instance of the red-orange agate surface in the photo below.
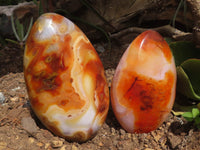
(65, 78)
(143, 87)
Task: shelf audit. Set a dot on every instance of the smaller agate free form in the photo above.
(65, 79)
(143, 86)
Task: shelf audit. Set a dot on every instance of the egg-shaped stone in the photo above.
(65, 78)
(143, 86)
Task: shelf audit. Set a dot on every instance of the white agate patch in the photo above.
(70, 123)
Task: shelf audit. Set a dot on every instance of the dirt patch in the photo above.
(20, 129)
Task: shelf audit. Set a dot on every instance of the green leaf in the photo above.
(184, 85)
(197, 121)
(181, 109)
(183, 50)
(188, 116)
(192, 69)
(195, 112)
(188, 72)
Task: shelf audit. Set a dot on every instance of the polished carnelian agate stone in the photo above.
(65, 79)
(143, 86)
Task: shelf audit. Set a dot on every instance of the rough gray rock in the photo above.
(2, 98)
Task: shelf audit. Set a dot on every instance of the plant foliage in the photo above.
(187, 59)
(18, 30)
(194, 115)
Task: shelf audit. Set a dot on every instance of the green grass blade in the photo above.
(175, 15)
(185, 13)
(14, 29)
(40, 8)
(29, 29)
(12, 41)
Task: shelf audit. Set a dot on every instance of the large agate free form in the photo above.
(143, 86)
(65, 78)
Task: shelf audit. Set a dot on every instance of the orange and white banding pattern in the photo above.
(65, 78)
(143, 87)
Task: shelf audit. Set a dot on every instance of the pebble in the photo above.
(183, 133)
(17, 137)
(180, 120)
(39, 144)
(14, 99)
(29, 125)
(100, 144)
(100, 48)
(129, 135)
(174, 140)
(3, 145)
(134, 138)
(156, 136)
(145, 135)
(31, 140)
(113, 131)
(190, 132)
(74, 147)
(63, 147)
(12, 93)
(2, 98)
(47, 145)
(56, 144)
(109, 75)
(168, 124)
(21, 80)
(122, 132)
(17, 88)
(162, 140)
